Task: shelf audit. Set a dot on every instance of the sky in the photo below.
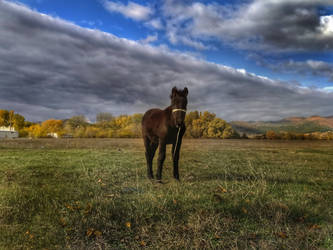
(243, 60)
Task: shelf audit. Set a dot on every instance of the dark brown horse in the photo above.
(162, 127)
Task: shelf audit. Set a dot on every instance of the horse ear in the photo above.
(173, 92)
(185, 91)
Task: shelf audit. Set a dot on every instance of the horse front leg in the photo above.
(175, 159)
(160, 160)
(150, 152)
(175, 154)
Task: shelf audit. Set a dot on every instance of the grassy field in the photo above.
(233, 194)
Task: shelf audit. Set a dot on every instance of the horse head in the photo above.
(179, 105)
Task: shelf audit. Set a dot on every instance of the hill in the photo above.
(290, 124)
(322, 121)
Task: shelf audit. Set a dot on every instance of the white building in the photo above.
(8, 132)
(53, 135)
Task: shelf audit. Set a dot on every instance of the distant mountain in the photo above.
(290, 124)
(323, 121)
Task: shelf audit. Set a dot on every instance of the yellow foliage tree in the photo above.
(35, 131)
(271, 135)
(229, 133)
(207, 116)
(91, 132)
(18, 122)
(9, 118)
(198, 128)
(216, 128)
(4, 117)
(126, 126)
(52, 125)
(206, 124)
(103, 119)
(189, 118)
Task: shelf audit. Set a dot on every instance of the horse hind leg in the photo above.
(150, 152)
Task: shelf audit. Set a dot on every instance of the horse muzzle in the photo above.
(179, 118)
(180, 124)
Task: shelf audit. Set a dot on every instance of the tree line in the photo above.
(199, 125)
(271, 135)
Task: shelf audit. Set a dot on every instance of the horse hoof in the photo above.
(150, 175)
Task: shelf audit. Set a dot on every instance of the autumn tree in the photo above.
(216, 128)
(18, 122)
(126, 126)
(103, 119)
(78, 121)
(207, 116)
(91, 132)
(190, 117)
(271, 135)
(206, 124)
(4, 117)
(198, 123)
(52, 126)
(35, 131)
(198, 128)
(136, 125)
(229, 133)
(11, 116)
(120, 122)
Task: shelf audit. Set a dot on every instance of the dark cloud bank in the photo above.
(311, 67)
(264, 25)
(52, 68)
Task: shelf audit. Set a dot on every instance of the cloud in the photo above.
(308, 67)
(149, 39)
(284, 25)
(53, 68)
(155, 23)
(131, 10)
(326, 24)
(328, 89)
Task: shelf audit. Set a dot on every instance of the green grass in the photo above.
(93, 193)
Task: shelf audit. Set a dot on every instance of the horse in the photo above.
(162, 127)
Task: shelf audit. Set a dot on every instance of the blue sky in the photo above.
(287, 43)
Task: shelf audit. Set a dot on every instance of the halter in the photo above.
(182, 110)
(175, 110)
